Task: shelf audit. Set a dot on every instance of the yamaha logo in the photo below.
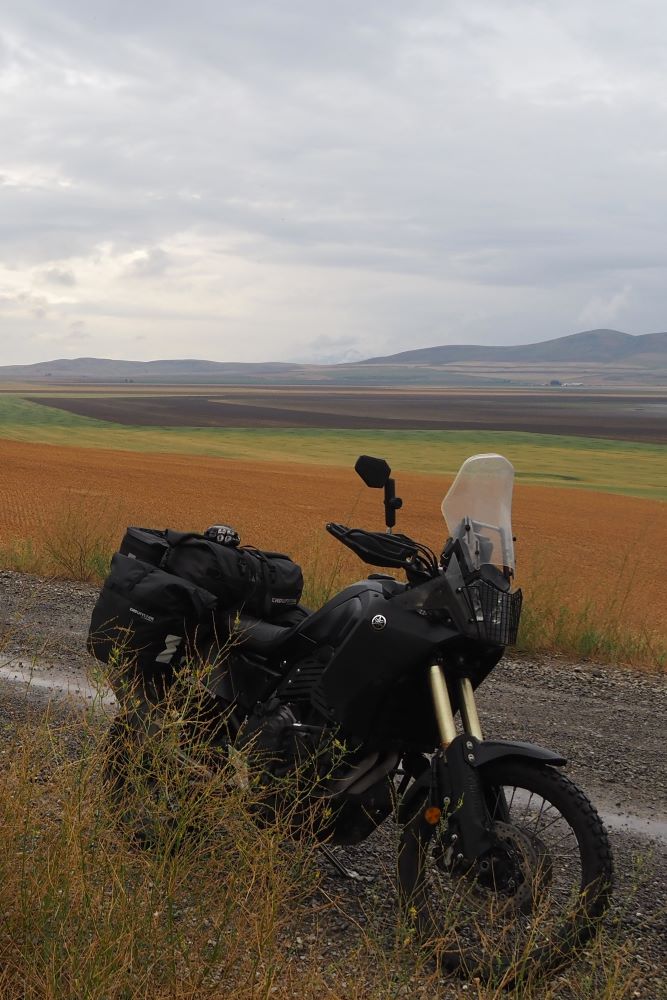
(378, 622)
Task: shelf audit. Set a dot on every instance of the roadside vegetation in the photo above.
(241, 909)
(187, 885)
(588, 632)
(80, 545)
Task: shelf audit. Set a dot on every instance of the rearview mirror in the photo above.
(375, 472)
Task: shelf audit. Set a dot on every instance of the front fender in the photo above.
(488, 750)
(484, 752)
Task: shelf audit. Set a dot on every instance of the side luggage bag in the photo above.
(146, 620)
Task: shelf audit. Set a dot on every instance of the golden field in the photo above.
(599, 555)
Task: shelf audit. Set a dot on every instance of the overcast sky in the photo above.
(286, 180)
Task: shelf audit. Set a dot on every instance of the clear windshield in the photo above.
(478, 510)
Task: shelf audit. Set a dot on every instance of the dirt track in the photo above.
(607, 722)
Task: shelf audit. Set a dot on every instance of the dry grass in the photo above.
(86, 914)
(77, 544)
(597, 627)
(220, 905)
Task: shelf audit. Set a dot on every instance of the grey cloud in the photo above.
(151, 263)
(451, 171)
(59, 276)
(607, 309)
(328, 350)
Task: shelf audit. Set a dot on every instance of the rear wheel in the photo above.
(533, 899)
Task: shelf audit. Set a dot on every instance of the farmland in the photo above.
(617, 415)
(637, 469)
(589, 511)
(579, 549)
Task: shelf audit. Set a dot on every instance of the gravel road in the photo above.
(608, 722)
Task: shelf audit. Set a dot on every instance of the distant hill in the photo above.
(596, 356)
(104, 369)
(590, 346)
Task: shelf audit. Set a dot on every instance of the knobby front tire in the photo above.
(538, 898)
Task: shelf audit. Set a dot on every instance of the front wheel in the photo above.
(533, 898)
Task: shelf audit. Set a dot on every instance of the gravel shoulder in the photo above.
(608, 722)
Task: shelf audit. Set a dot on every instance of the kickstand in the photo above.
(341, 868)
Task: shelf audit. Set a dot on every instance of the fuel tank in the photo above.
(374, 684)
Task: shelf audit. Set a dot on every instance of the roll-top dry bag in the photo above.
(260, 583)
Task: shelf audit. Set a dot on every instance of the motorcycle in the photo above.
(500, 854)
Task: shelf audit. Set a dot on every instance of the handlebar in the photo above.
(393, 551)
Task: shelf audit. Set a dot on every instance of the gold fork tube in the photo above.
(442, 705)
(471, 722)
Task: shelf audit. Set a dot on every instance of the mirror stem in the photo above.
(392, 503)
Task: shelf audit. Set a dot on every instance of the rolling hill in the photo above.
(591, 345)
(593, 356)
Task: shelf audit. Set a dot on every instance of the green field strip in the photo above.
(552, 460)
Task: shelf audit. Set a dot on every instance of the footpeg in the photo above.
(343, 869)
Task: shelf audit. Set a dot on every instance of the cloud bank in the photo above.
(308, 181)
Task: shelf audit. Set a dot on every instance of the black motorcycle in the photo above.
(501, 856)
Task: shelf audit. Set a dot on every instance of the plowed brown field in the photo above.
(588, 547)
(622, 415)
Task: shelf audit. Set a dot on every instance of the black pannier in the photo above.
(259, 583)
(219, 568)
(147, 618)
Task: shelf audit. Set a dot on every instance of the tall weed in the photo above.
(77, 545)
(82, 541)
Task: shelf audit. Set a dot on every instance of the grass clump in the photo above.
(205, 912)
(81, 545)
(78, 544)
(22, 555)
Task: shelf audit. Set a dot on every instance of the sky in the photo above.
(314, 181)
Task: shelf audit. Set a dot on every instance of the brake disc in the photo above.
(518, 867)
(509, 870)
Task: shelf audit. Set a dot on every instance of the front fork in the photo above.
(455, 781)
(443, 707)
